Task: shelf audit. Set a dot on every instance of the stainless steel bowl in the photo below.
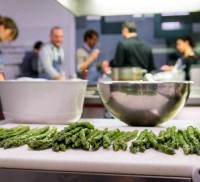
(141, 103)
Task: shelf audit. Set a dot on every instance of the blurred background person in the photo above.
(8, 32)
(185, 46)
(30, 61)
(8, 29)
(51, 56)
(87, 58)
(132, 52)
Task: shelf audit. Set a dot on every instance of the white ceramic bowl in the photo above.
(57, 102)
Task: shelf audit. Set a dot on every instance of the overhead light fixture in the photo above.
(171, 26)
(137, 15)
(93, 18)
(176, 14)
(128, 7)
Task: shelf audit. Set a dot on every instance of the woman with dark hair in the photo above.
(185, 46)
(8, 32)
(8, 29)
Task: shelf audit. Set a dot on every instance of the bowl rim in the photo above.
(44, 81)
(142, 82)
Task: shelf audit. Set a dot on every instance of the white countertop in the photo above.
(150, 162)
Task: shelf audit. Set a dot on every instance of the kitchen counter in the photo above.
(107, 162)
(194, 97)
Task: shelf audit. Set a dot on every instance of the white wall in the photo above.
(35, 18)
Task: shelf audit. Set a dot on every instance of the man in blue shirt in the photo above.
(51, 56)
(87, 57)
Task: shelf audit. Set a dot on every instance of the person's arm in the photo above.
(34, 63)
(151, 62)
(47, 63)
(119, 56)
(84, 64)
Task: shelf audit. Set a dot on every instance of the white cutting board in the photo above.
(150, 162)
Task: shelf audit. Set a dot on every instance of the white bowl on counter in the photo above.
(55, 102)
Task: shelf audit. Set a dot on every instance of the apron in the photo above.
(93, 74)
(57, 64)
(1, 60)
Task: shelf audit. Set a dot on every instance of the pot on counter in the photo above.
(127, 73)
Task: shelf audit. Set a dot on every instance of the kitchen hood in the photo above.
(128, 7)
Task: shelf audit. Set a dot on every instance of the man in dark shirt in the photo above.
(30, 61)
(132, 52)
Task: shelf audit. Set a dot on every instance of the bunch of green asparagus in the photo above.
(168, 141)
(83, 135)
(21, 135)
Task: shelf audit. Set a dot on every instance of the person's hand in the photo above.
(166, 68)
(95, 54)
(60, 77)
(105, 67)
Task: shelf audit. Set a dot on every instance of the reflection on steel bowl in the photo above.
(127, 73)
(141, 103)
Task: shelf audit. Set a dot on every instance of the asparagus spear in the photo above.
(167, 135)
(161, 136)
(92, 135)
(152, 139)
(82, 135)
(140, 142)
(166, 149)
(107, 140)
(45, 143)
(183, 144)
(116, 143)
(193, 139)
(122, 141)
(1, 129)
(10, 130)
(14, 132)
(197, 133)
(174, 142)
(75, 135)
(22, 140)
(187, 140)
(78, 124)
(18, 133)
(79, 140)
(64, 138)
(61, 137)
(97, 141)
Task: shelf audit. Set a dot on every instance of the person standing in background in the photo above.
(185, 46)
(8, 29)
(87, 58)
(51, 56)
(8, 32)
(30, 61)
(132, 52)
